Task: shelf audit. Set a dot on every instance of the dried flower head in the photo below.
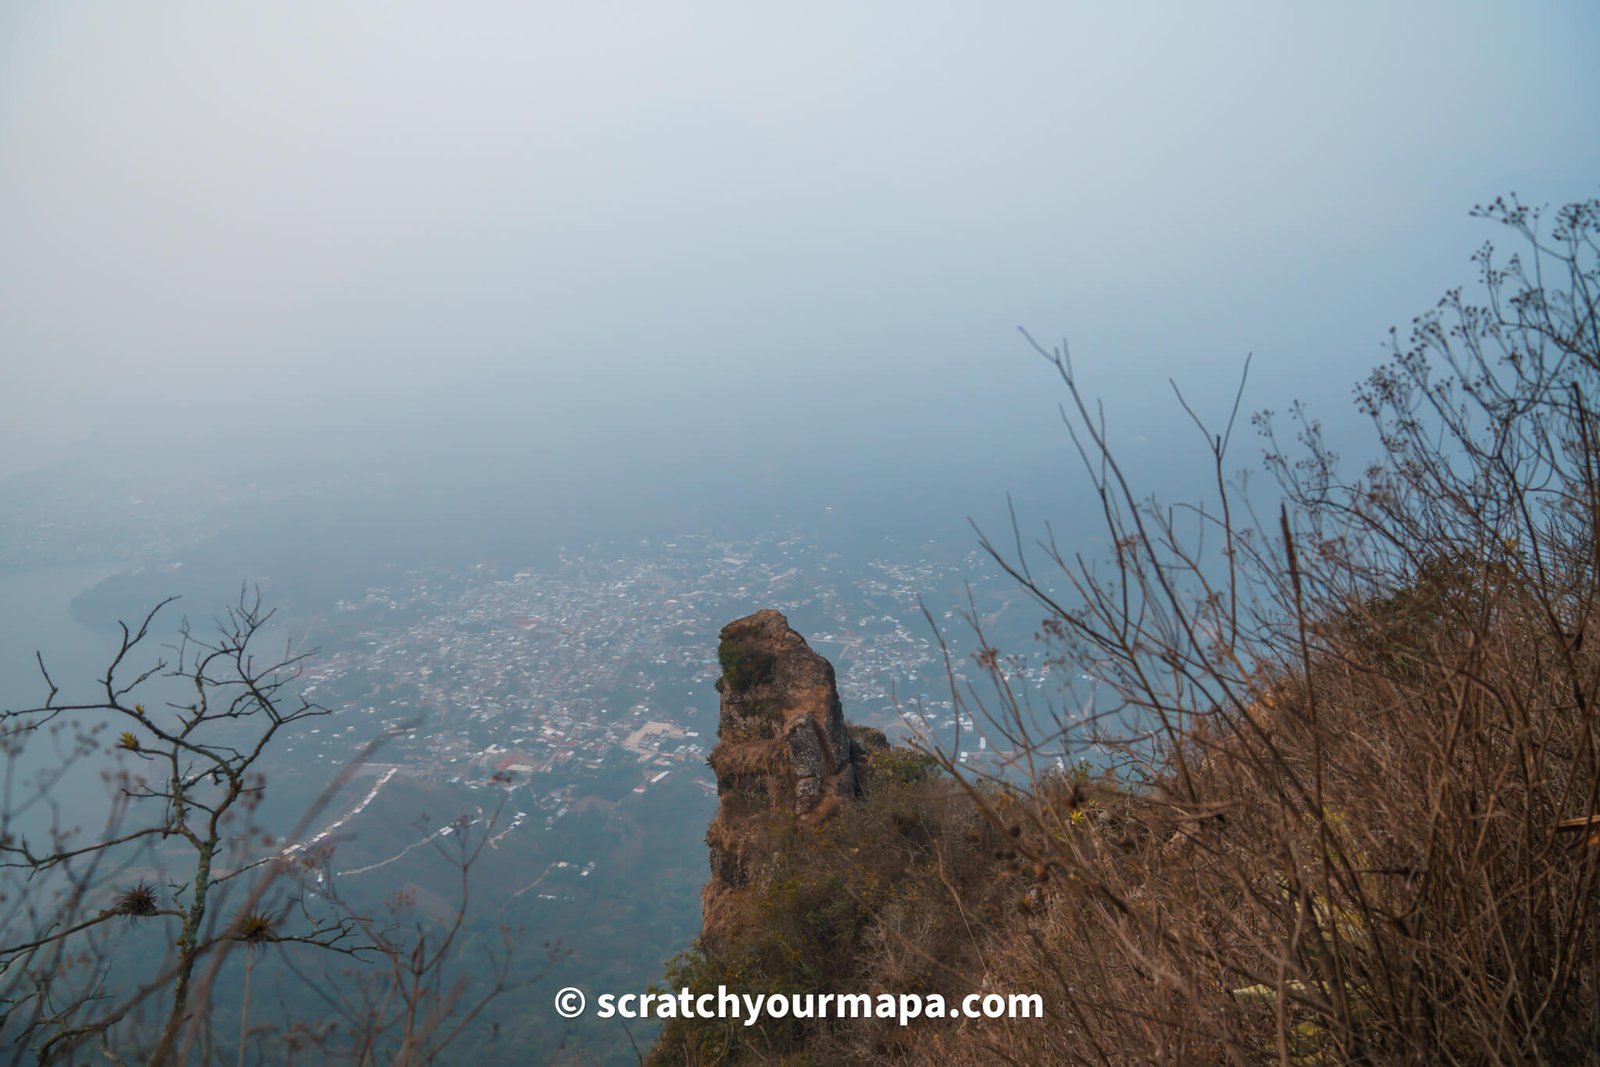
(253, 927)
(138, 902)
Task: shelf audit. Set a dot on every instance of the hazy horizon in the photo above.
(660, 251)
(312, 291)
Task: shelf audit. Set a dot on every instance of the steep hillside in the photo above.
(1206, 914)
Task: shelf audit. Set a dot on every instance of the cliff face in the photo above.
(783, 751)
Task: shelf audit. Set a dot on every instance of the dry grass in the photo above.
(1432, 908)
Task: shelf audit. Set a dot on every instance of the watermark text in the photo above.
(751, 1008)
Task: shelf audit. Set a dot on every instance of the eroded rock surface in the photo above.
(782, 747)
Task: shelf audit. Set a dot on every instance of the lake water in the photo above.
(34, 617)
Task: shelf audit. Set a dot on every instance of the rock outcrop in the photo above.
(783, 750)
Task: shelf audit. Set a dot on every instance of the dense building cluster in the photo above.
(593, 676)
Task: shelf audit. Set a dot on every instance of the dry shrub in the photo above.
(1357, 746)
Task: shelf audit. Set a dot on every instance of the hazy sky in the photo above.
(673, 236)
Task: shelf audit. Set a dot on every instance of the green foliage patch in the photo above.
(743, 667)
